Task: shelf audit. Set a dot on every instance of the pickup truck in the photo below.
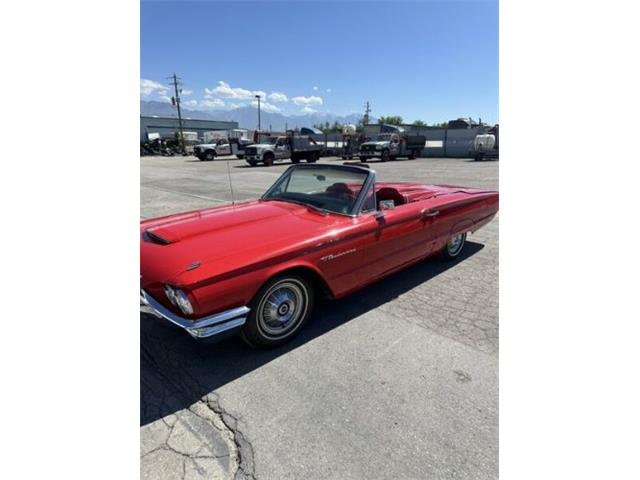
(389, 146)
(232, 146)
(272, 149)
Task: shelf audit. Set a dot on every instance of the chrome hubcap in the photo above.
(281, 308)
(455, 244)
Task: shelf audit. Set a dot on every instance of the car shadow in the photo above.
(176, 371)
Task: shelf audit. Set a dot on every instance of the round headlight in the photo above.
(183, 302)
(170, 293)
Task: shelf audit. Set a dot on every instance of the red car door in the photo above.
(397, 237)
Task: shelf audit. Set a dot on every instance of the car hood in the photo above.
(186, 248)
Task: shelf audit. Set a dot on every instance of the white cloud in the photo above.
(306, 101)
(191, 103)
(308, 109)
(224, 90)
(278, 97)
(328, 90)
(213, 104)
(315, 88)
(186, 92)
(266, 107)
(147, 87)
(164, 98)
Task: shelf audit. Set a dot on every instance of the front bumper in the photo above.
(202, 328)
(372, 153)
(256, 158)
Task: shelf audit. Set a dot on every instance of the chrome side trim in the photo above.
(200, 328)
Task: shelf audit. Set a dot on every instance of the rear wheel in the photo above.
(313, 158)
(364, 159)
(454, 246)
(278, 311)
(295, 160)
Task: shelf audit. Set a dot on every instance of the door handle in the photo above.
(434, 213)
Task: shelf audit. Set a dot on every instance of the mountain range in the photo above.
(247, 117)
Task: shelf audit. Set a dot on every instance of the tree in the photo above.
(390, 120)
(419, 123)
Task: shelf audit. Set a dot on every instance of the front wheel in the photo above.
(364, 159)
(385, 156)
(210, 155)
(454, 246)
(278, 311)
(252, 163)
(268, 160)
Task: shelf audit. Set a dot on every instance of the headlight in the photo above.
(183, 302)
(170, 293)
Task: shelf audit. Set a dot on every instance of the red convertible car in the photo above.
(257, 266)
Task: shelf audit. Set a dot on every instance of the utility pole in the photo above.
(175, 81)
(367, 111)
(258, 97)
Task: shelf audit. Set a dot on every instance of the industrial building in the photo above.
(167, 127)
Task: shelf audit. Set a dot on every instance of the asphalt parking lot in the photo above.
(399, 380)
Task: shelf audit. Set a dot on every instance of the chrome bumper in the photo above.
(201, 328)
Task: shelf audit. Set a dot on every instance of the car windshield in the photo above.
(330, 189)
(383, 137)
(268, 140)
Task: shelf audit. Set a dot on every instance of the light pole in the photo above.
(258, 97)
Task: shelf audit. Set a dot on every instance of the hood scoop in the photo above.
(156, 235)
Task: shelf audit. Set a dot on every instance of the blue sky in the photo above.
(429, 60)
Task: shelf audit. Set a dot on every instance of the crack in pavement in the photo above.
(204, 437)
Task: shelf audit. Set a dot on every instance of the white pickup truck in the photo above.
(272, 149)
(209, 151)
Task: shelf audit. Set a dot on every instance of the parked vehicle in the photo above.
(257, 267)
(209, 151)
(222, 142)
(291, 146)
(486, 145)
(390, 145)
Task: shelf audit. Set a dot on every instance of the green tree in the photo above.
(419, 123)
(390, 120)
